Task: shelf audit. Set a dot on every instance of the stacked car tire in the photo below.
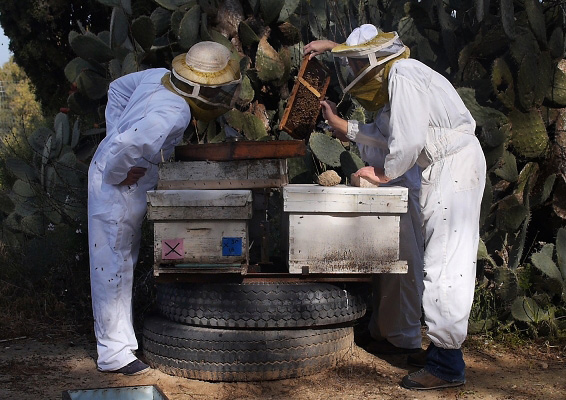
(250, 331)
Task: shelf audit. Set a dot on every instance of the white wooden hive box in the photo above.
(344, 229)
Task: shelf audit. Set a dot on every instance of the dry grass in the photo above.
(32, 313)
(551, 350)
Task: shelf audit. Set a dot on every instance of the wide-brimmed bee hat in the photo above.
(362, 64)
(207, 73)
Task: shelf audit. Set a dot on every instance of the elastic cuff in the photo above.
(447, 364)
(353, 129)
(113, 178)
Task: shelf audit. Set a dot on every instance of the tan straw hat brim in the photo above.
(229, 73)
(381, 41)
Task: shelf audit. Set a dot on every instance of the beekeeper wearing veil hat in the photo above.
(146, 115)
(422, 128)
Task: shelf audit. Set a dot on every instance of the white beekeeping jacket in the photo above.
(420, 100)
(145, 121)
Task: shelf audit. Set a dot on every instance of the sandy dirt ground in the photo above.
(33, 369)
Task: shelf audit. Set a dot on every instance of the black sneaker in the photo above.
(136, 367)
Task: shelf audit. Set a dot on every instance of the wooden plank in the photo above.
(186, 273)
(305, 198)
(309, 87)
(199, 198)
(239, 174)
(198, 213)
(224, 184)
(315, 267)
(241, 150)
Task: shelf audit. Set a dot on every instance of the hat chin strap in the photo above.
(373, 63)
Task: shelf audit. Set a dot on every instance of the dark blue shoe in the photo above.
(136, 367)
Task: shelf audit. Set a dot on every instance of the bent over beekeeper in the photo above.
(146, 115)
(428, 126)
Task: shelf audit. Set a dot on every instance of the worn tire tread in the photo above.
(259, 305)
(242, 355)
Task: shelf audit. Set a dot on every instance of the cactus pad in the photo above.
(528, 134)
(326, 149)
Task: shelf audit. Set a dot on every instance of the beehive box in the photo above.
(237, 174)
(303, 107)
(343, 229)
(200, 230)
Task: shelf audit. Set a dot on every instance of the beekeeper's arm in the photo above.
(352, 130)
(408, 124)
(372, 134)
(144, 139)
(317, 47)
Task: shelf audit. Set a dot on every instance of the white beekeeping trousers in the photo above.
(451, 192)
(115, 217)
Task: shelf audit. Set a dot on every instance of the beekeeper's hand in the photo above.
(317, 47)
(373, 174)
(339, 125)
(134, 175)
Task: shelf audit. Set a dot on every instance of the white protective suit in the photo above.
(396, 297)
(431, 127)
(144, 122)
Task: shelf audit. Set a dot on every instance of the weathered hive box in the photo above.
(238, 174)
(200, 229)
(344, 229)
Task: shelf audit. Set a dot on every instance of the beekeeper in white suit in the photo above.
(429, 126)
(146, 115)
(395, 324)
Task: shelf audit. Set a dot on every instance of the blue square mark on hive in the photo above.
(231, 246)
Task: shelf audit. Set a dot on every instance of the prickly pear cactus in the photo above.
(52, 189)
(507, 285)
(503, 83)
(525, 309)
(326, 148)
(528, 134)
